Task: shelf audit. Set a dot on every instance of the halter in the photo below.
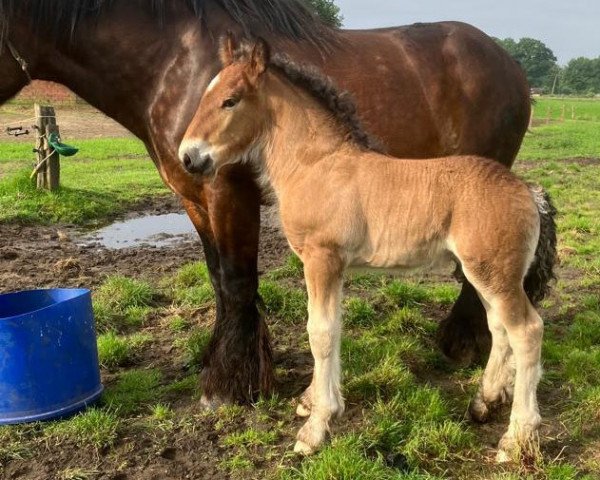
(20, 60)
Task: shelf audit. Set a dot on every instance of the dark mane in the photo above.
(289, 18)
(339, 103)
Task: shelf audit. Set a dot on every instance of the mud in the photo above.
(64, 256)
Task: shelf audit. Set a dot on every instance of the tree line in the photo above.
(581, 76)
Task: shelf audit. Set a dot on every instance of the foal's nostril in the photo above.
(187, 161)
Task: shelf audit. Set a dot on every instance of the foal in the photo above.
(342, 204)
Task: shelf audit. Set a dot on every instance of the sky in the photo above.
(570, 28)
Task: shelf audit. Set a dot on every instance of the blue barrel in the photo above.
(48, 355)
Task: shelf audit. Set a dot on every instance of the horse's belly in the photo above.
(432, 254)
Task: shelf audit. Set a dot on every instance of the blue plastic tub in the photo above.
(48, 355)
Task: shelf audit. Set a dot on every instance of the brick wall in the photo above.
(47, 92)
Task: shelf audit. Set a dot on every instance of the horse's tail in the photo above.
(541, 271)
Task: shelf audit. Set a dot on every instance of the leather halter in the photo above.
(20, 60)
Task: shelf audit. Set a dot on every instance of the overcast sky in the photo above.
(571, 28)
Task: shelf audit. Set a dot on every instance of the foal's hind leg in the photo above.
(323, 273)
(515, 325)
(525, 338)
(498, 378)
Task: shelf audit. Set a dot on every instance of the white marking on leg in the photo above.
(526, 341)
(324, 330)
(498, 377)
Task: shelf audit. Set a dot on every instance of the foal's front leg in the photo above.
(323, 271)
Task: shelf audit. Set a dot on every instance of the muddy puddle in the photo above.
(157, 231)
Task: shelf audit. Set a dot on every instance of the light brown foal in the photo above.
(342, 204)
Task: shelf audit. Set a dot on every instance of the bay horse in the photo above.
(344, 204)
(145, 63)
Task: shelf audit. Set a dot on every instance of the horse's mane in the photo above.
(339, 103)
(289, 18)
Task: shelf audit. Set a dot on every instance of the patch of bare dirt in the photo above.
(45, 257)
(75, 121)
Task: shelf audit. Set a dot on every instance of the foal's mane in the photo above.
(288, 18)
(322, 88)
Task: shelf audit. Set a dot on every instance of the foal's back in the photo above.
(408, 213)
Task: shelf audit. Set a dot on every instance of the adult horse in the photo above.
(425, 90)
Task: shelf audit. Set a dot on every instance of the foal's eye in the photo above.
(230, 102)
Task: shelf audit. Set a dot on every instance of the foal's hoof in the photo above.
(302, 410)
(507, 449)
(303, 449)
(310, 437)
(479, 410)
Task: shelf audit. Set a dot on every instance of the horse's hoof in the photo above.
(303, 449)
(302, 410)
(479, 410)
(212, 403)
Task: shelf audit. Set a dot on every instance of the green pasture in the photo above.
(567, 108)
(106, 178)
(406, 406)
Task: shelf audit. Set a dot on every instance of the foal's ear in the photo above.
(259, 59)
(227, 49)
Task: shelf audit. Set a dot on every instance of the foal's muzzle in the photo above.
(202, 164)
(196, 161)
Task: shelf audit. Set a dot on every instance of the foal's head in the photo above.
(233, 112)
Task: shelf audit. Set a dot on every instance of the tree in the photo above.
(328, 11)
(581, 75)
(538, 61)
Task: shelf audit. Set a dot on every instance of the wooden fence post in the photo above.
(532, 114)
(48, 174)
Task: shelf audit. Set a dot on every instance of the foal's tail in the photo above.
(541, 272)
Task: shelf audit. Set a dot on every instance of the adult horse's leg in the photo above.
(464, 335)
(237, 364)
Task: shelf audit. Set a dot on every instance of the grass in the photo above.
(116, 351)
(286, 303)
(191, 287)
(95, 427)
(292, 268)
(250, 438)
(106, 178)
(196, 345)
(133, 391)
(580, 109)
(122, 302)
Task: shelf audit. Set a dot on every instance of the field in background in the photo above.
(406, 416)
(567, 108)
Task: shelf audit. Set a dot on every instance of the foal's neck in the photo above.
(302, 133)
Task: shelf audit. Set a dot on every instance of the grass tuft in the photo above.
(250, 437)
(292, 268)
(191, 287)
(196, 345)
(358, 312)
(344, 459)
(286, 303)
(403, 294)
(116, 351)
(133, 391)
(95, 427)
(121, 301)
